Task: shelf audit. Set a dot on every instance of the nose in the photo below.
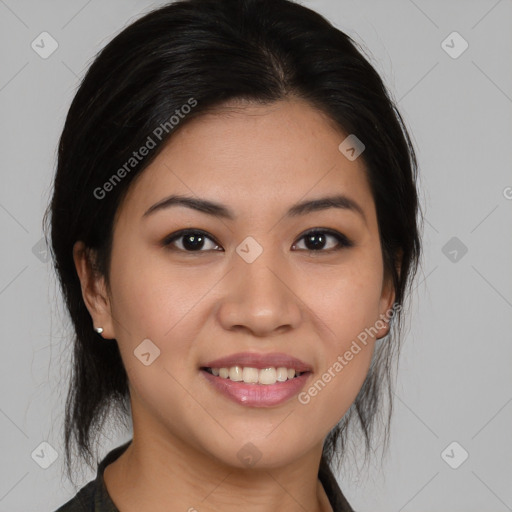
(259, 297)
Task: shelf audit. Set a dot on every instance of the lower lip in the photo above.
(258, 395)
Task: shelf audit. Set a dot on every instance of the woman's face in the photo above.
(247, 284)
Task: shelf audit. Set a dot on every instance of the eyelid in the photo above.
(169, 239)
(343, 240)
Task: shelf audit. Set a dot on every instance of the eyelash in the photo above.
(343, 241)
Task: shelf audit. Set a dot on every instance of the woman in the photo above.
(234, 226)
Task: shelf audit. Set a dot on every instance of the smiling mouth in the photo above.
(251, 375)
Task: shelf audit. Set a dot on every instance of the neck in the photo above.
(155, 473)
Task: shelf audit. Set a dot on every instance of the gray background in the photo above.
(455, 379)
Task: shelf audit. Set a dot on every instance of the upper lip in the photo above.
(260, 361)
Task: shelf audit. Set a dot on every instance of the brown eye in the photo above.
(316, 240)
(190, 241)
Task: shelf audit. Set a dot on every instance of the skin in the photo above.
(198, 306)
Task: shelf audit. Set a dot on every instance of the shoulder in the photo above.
(336, 498)
(94, 496)
(83, 501)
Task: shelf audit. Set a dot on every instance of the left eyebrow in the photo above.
(221, 211)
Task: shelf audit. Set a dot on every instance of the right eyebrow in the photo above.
(219, 210)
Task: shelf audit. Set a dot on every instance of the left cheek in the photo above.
(358, 308)
(341, 380)
(347, 320)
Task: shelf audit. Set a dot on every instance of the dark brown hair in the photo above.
(257, 50)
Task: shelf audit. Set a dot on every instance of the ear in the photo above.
(94, 290)
(387, 299)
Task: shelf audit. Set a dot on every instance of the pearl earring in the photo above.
(99, 330)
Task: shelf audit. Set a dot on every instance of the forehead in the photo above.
(253, 157)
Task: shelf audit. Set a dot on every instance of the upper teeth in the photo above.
(254, 375)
